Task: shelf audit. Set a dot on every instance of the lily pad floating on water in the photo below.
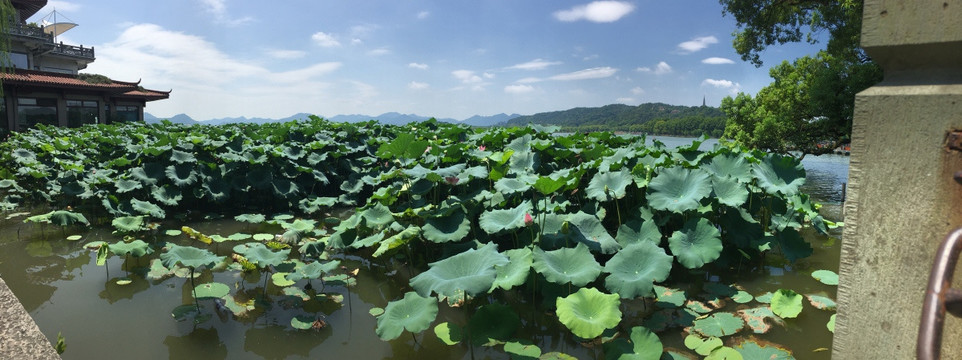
(313, 270)
(263, 237)
(668, 297)
(567, 265)
(760, 319)
(376, 311)
(827, 277)
(786, 303)
(262, 256)
(701, 345)
(821, 302)
(589, 312)
(303, 322)
(634, 270)
(212, 290)
(752, 348)
(831, 323)
(136, 248)
(74, 237)
(522, 350)
(412, 313)
(719, 324)
(188, 256)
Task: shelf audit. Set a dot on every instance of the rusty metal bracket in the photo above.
(940, 297)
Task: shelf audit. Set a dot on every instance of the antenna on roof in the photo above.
(52, 26)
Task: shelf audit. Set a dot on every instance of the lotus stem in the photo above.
(193, 289)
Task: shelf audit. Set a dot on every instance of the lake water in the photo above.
(65, 291)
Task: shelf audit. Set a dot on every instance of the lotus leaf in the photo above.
(128, 223)
(678, 189)
(259, 254)
(147, 208)
(449, 334)
(314, 204)
(606, 186)
(285, 188)
(635, 231)
(149, 173)
(250, 218)
(167, 195)
(696, 244)
(757, 349)
(494, 221)
(760, 319)
(181, 174)
(697, 306)
(554, 355)
(668, 297)
(826, 277)
(279, 279)
(589, 230)
(217, 189)
(730, 166)
(588, 312)
(511, 185)
(303, 322)
(779, 174)
(645, 345)
(66, 218)
(516, 271)
(404, 146)
(125, 185)
(547, 186)
(376, 311)
(634, 270)
(412, 313)
(520, 350)
(263, 237)
(702, 346)
(793, 246)
(742, 297)
(181, 157)
(188, 256)
(493, 321)
(523, 162)
(567, 265)
(313, 270)
(377, 216)
(821, 302)
(719, 324)
(212, 290)
(729, 191)
(450, 228)
(74, 237)
(724, 353)
(136, 248)
(471, 272)
(397, 240)
(831, 323)
(184, 312)
(786, 303)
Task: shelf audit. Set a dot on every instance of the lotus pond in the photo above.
(314, 239)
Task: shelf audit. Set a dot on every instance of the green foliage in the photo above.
(412, 313)
(651, 118)
(786, 303)
(588, 312)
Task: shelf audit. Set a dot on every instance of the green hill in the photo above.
(652, 118)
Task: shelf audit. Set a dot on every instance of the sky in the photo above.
(440, 58)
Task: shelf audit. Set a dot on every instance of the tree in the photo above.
(809, 105)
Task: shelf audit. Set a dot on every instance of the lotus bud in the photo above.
(528, 220)
(481, 148)
(453, 180)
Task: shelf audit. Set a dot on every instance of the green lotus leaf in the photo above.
(376, 311)
(732, 166)
(493, 321)
(786, 303)
(588, 229)
(729, 191)
(368, 241)
(636, 231)
(313, 270)
(181, 174)
(292, 152)
(724, 353)
(471, 272)
(821, 302)
(314, 204)
(831, 323)
(666, 297)
(285, 188)
(523, 162)
(303, 322)
(24, 156)
(547, 186)
(519, 350)
(149, 173)
(697, 306)
(494, 221)
(260, 178)
(128, 223)
(779, 174)
(567, 265)
(66, 218)
(765, 298)
(678, 189)
(826, 277)
(751, 348)
(279, 279)
(377, 216)
(212, 290)
(125, 185)
(294, 291)
(184, 312)
(148, 208)
(645, 344)
(217, 189)
(606, 186)
(250, 218)
(742, 297)
(516, 271)
(702, 346)
(412, 313)
(74, 237)
(238, 236)
(397, 240)
(719, 324)
(188, 256)
(589, 312)
(181, 157)
(511, 185)
(404, 146)
(452, 227)
(760, 319)
(167, 195)
(696, 244)
(136, 248)
(263, 237)
(793, 246)
(259, 254)
(448, 333)
(634, 270)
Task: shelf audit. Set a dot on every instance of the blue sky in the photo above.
(450, 58)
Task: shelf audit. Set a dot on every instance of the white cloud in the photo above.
(724, 84)
(717, 61)
(593, 73)
(414, 85)
(218, 8)
(660, 69)
(286, 54)
(325, 40)
(697, 43)
(356, 41)
(379, 52)
(488, 75)
(418, 66)
(423, 15)
(305, 73)
(467, 76)
(518, 89)
(536, 64)
(596, 11)
(637, 91)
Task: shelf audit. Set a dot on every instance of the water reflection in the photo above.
(199, 342)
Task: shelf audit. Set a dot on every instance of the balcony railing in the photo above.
(76, 51)
(37, 34)
(30, 32)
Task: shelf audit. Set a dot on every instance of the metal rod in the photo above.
(938, 292)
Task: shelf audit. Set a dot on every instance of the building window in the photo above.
(126, 113)
(4, 123)
(80, 112)
(33, 111)
(19, 60)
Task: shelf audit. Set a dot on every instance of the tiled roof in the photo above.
(56, 80)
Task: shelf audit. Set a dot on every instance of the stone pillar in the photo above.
(903, 200)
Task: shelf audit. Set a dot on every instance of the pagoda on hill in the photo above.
(44, 86)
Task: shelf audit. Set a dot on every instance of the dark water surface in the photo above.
(61, 286)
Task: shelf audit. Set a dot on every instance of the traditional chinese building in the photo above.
(44, 85)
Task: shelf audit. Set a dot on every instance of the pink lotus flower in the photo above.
(528, 220)
(453, 180)
(481, 148)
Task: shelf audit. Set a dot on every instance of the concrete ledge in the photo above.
(20, 338)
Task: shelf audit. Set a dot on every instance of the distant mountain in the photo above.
(492, 120)
(652, 118)
(392, 118)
